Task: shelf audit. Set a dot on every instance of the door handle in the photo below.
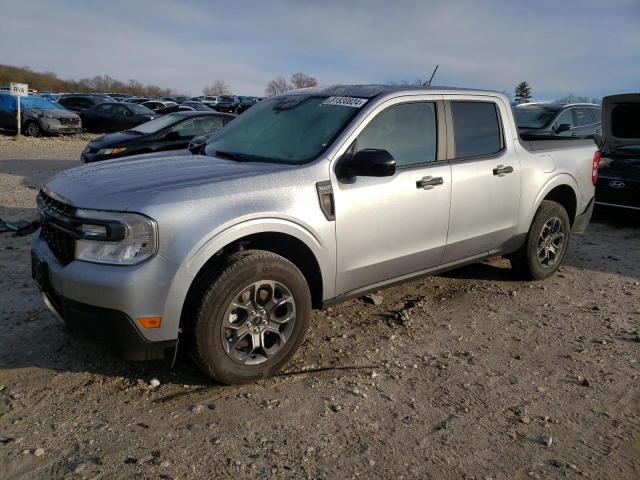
(502, 170)
(427, 183)
(574, 134)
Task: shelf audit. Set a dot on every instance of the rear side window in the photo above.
(596, 114)
(407, 132)
(476, 128)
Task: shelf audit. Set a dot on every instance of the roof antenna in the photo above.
(428, 83)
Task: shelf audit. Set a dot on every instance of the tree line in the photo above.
(49, 81)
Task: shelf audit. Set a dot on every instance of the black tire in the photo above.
(32, 129)
(527, 262)
(220, 289)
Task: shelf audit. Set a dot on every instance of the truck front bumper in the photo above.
(103, 302)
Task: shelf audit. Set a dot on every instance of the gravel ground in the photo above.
(470, 374)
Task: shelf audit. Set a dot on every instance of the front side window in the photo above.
(476, 129)
(407, 131)
(293, 129)
(565, 118)
(105, 108)
(198, 126)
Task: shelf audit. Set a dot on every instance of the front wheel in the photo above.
(33, 129)
(546, 244)
(252, 317)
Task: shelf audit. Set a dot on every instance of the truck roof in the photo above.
(372, 91)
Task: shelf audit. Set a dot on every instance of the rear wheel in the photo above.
(33, 129)
(546, 243)
(252, 317)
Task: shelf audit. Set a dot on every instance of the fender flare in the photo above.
(558, 180)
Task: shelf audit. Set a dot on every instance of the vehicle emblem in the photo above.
(616, 184)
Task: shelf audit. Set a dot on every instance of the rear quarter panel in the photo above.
(552, 166)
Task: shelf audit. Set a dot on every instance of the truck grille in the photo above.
(61, 243)
(69, 121)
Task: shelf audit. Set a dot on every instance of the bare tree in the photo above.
(302, 80)
(572, 98)
(277, 86)
(219, 87)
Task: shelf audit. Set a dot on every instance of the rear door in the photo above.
(394, 226)
(585, 122)
(485, 175)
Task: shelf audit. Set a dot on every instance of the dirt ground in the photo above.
(467, 375)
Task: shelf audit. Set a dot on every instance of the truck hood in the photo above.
(115, 139)
(51, 112)
(621, 120)
(118, 184)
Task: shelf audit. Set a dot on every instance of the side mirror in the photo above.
(172, 135)
(562, 128)
(370, 162)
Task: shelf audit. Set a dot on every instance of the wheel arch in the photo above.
(304, 254)
(562, 189)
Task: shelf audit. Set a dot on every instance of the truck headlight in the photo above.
(111, 151)
(115, 238)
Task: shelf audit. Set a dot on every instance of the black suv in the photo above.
(228, 104)
(554, 120)
(79, 103)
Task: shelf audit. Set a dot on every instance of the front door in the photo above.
(394, 226)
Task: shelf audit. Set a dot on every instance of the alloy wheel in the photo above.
(258, 322)
(550, 242)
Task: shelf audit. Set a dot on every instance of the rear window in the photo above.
(533, 117)
(625, 121)
(476, 129)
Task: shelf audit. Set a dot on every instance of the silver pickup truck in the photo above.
(307, 199)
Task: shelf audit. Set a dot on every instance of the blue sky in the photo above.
(586, 47)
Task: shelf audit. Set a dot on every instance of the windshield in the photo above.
(533, 117)
(140, 109)
(158, 124)
(292, 130)
(34, 101)
(226, 99)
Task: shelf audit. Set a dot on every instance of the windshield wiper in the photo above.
(238, 157)
(132, 131)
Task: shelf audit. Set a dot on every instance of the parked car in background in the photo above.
(174, 108)
(210, 100)
(135, 99)
(78, 103)
(619, 169)
(244, 103)
(157, 104)
(306, 200)
(554, 120)
(227, 103)
(182, 99)
(119, 96)
(115, 116)
(170, 132)
(198, 106)
(52, 97)
(38, 116)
